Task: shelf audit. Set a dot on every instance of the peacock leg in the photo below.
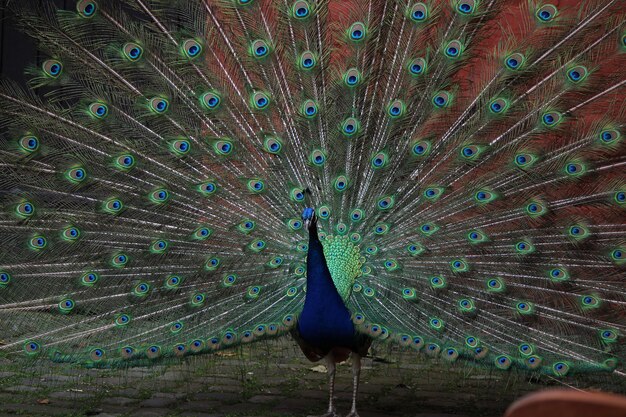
(330, 364)
(356, 373)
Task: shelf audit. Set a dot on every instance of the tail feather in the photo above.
(154, 175)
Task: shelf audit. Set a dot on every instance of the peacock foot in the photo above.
(353, 414)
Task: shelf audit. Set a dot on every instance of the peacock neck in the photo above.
(320, 285)
(325, 320)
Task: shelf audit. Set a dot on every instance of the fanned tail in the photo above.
(465, 160)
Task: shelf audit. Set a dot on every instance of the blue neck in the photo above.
(319, 282)
(325, 321)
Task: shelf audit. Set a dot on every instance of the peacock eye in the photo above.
(309, 109)
(442, 99)
(98, 110)
(466, 7)
(418, 13)
(259, 48)
(86, 8)
(352, 77)
(357, 32)
(307, 60)
(301, 9)
(417, 66)
(191, 48)
(546, 13)
(454, 49)
(260, 100)
(396, 108)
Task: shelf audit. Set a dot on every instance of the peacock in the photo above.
(449, 177)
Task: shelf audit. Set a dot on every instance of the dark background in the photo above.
(17, 50)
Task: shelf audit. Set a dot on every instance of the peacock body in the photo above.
(186, 176)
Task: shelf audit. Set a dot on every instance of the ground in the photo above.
(266, 379)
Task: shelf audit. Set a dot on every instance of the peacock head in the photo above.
(309, 217)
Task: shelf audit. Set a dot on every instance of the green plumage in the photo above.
(466, 157)
(344, 261)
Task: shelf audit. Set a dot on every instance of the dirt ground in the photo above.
(270, 379)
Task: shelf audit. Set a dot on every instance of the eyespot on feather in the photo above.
(132, 51)
(86, 8)
(418, 12)
(52, 68)
(357, 32)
